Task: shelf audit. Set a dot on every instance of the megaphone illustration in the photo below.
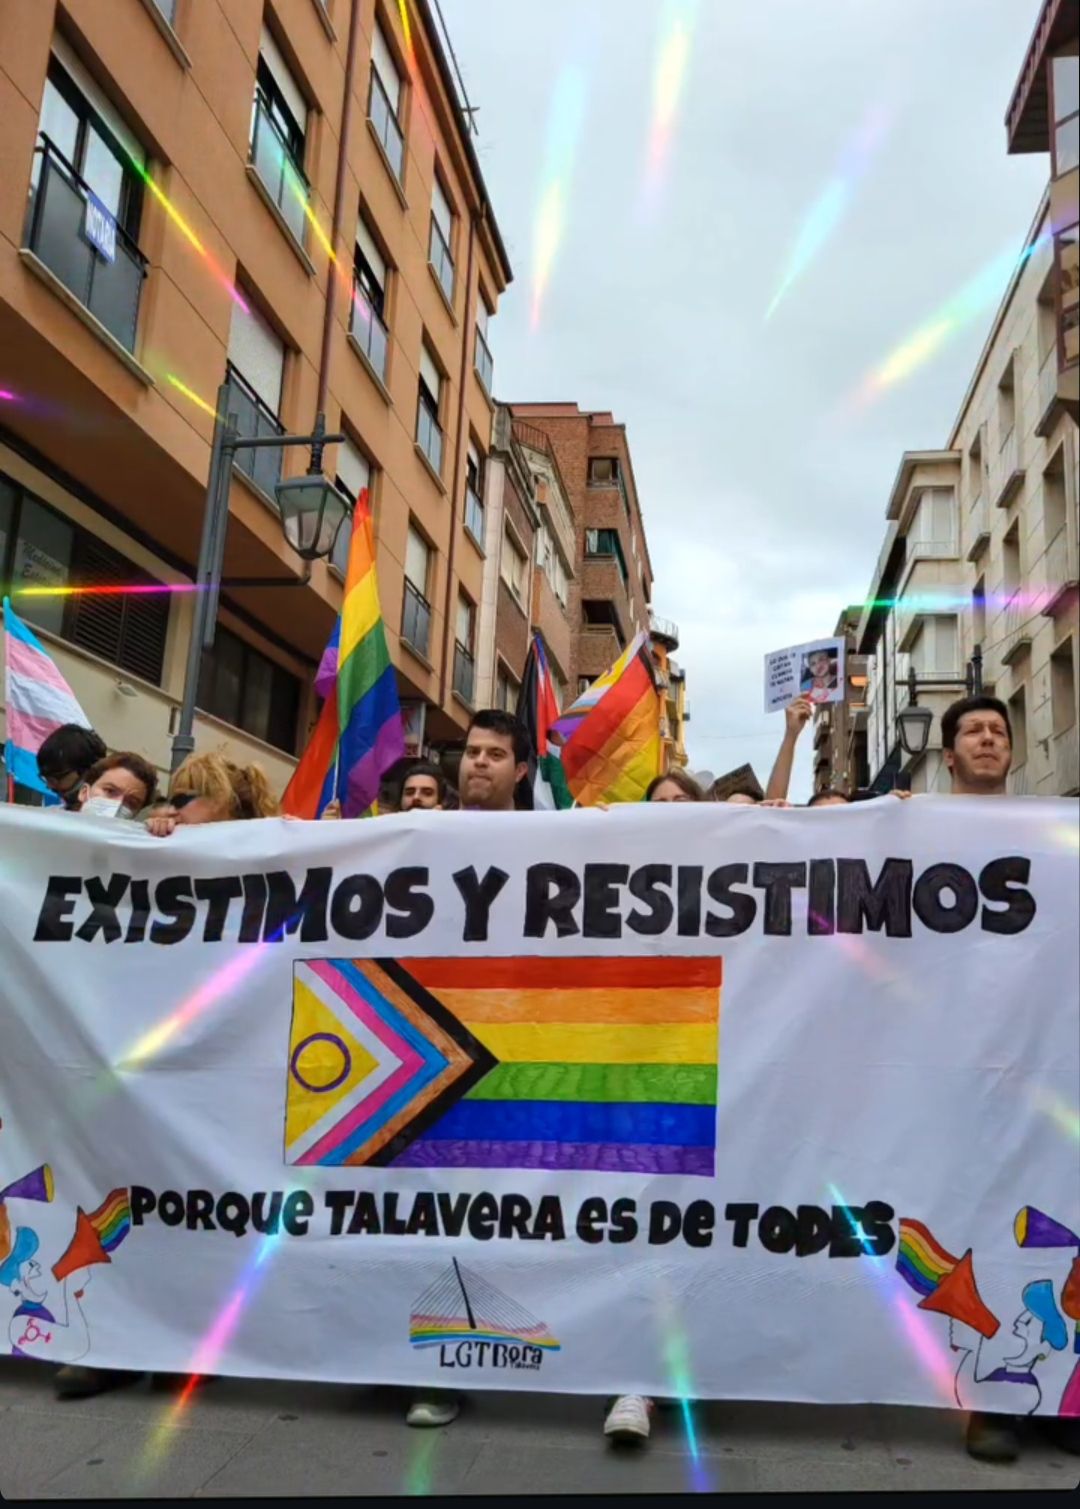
(35, 1186)
(84, 1249)
(1033, 1228)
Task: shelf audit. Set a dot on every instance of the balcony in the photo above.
(1067, 762)
(474, 515)
(385, 126)
(109, 289)
(429, 437)
(464, 672)
(440, 261)
(1062, 574)
(1007, 472)
(254, 421)
(281, 177)
(664, 629)
(485, 369)
(930, 550)
(368, 331)
(1017, 636)
(1049, 401)
(978, 528)
(416, 620)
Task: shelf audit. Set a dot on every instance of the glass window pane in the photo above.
(416, 562)
(42, 559)
(1067, 144)
(1066, 87)
(7, 522)
(102, 171)
(258, 689)
(58, 121)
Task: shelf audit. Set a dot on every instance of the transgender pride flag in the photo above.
(38, 700)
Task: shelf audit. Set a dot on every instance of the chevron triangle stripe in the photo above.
(373, 1060)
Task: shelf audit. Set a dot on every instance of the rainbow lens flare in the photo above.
(565, 118)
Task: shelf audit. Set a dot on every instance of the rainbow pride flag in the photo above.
(606, 1064)
(359, 734)
(613, 747)
(921, 1260)
(112, 1219)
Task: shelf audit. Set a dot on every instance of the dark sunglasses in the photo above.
(181, 800)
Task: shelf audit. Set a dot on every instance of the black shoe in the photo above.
(1062, 1431)
(84, 1383)
(993, 1438)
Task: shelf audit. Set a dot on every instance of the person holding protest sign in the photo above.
(208, 788)
(797, 715)
(831, 798)
(120, 785)
(495, 761)
(674, 786)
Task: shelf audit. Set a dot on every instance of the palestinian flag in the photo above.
(538, 709)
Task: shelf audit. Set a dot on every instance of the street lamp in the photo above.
(312, 513)
(913, 722)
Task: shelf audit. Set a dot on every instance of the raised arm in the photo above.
(796, 716)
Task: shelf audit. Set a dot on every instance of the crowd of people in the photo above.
(492, 777)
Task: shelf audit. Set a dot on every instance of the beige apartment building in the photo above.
(978, 575)
(281, 195)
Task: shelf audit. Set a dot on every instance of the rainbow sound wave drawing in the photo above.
(921, 1260)
(459, 1306)
(112, 1219)
(593, 1064)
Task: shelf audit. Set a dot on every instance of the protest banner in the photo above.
(547, 1101)
(814, 670)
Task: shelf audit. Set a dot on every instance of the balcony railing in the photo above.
(441, 260)
(464, 672)
(978, 528)
(56, 234)
(429, 437)
(1061, 567)
(664, 628)
(368, 330)
(1047, 403)
(527, 434)
(416, 619)
(385, 124)
(254, 421)
(485, 371)
(1067, 762)
(474, 515)
(1017, 634)
(282, 178)
(1007, 473)
(932, 550)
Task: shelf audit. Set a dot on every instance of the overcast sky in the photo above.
(763, 497)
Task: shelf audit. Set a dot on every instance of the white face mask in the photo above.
(105, 806)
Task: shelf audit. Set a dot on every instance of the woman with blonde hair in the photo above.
(208, 788)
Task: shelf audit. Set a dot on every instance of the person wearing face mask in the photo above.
(208, 788)
(120, 785)
(64, 758)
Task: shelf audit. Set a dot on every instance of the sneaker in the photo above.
(993, 1438)
(432, 1409)
(1062, 1431)
(628, 1418)
(84, 1383)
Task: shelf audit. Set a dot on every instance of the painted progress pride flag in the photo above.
(599, 1063)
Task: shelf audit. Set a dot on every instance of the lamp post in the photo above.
(913, 722)
(312, 512)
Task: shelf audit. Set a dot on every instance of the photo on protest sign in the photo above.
(814, 670)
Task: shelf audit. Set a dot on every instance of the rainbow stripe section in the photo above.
(601, 1064)
(112, 1219)
(434, 1331)
(614, 750)
(921, 1260)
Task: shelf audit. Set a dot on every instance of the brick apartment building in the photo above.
(283, 195)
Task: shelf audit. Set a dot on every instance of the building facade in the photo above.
(840, 728)
(663, 642)
(282, 197)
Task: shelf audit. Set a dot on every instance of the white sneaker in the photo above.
(432, 1409)
(628, 1418)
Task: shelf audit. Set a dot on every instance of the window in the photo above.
(1067, 256)
(1054, 504)
(442, 239)
(606, 542)
(975, 465)
(601, 613)
(367, 319)
(464, 634)
(583, 685)
(384, 103)
(482, 360)
(86, 197)
(603, 471)
(353, 476)
(245, 688)
(416, 610)
(1010, 561)
(1063, 686)
(1007, 401)
(278, 128)
(514, 567)
(507, 690)
(428, 434)
(41, 548)
(255, 371)
(1018, 719)
(474, 494)
(936, 651)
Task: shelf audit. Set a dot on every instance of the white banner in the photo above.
(711, 1101)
